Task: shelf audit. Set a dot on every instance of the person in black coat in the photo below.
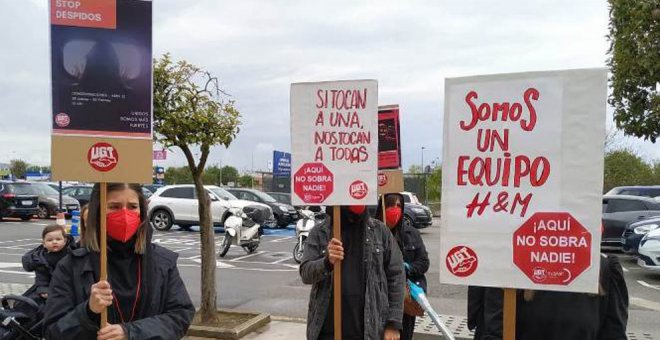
(415, 257)
(43, 259)
(550, 315)
(144, 294)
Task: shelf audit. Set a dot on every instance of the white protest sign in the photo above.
(334, 141)
(522, 180)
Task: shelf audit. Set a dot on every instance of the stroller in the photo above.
(21, 316)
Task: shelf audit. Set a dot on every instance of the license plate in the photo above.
(72, 207)
(26, 202)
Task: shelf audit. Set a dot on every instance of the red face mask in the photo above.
(357, 209)
(392, 216)
(122, 224)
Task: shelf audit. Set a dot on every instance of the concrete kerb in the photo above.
(258, 321)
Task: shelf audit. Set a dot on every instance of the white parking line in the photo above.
(647, 285)
(282, 239)
(639, 302)
(282, 260)
(16, 272)
(246, 256)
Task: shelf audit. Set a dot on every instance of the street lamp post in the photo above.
(424, 172)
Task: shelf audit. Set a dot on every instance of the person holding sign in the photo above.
(372, 278)
(549, 315)
(144, 295)
(415, 257)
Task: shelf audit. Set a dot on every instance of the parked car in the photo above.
(649, 251)
(646, 191)
(146, 192)
(18, 199)
(415, 214)
(153, 187)
(281, 197)
(635, 231)
(285, 214)
(49, 201)
(620, 210)
(79, 192)
(177, 204)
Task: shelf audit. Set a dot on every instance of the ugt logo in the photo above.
(462, 261)
(102, 157)
(359, 190)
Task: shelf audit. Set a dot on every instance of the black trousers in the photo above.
(408, 327)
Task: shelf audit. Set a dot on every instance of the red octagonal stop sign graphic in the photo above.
(552, 248)
(313, 182)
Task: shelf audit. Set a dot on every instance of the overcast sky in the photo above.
(258, 48)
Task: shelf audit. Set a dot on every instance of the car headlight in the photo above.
(418, 210)
(283, 209)
(641, 230)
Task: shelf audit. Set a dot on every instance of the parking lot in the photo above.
(268, 279)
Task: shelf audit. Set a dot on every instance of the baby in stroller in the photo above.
(21, 315)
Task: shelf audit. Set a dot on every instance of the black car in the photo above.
(635, 231)
(18, 199)
(281, 197)
(646, 191)
(79, 192)
(414, 213)
(49, 201)
(620, 210)
(285, 214)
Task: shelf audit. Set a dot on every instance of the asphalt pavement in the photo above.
(268, 281)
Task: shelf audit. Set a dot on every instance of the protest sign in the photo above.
(334, 142)
(522, 180)
(101, 71)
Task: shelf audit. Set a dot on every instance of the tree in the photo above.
(33, 168)
(635, 51)
(180, 175)
(415, 169)
(18, 168)
(229, 174)
(434, 184)
(213, 176)
(624, 167)
(245, 181)
(190, 109)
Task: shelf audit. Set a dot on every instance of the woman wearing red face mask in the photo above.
(415, 257)
(144, 294)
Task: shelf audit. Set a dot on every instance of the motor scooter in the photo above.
(243, 228)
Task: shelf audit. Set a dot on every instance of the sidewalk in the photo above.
(286, 328)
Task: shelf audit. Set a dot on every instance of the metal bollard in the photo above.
(75, 222)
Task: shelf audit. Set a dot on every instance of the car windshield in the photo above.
(265, 197)
(222, 193)
(22, 189)
(45, 189)
(415, 200)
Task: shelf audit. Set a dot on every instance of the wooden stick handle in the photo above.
(509, 314)
(104, 245)
(336, 232)
(382, 201)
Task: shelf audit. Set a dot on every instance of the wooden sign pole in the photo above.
(336, 232)
(382, 201)
(104, 246)
(509, 314)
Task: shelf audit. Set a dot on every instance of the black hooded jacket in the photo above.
(43, 263)
(412, 247)
(557, 315)
(164, 309)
